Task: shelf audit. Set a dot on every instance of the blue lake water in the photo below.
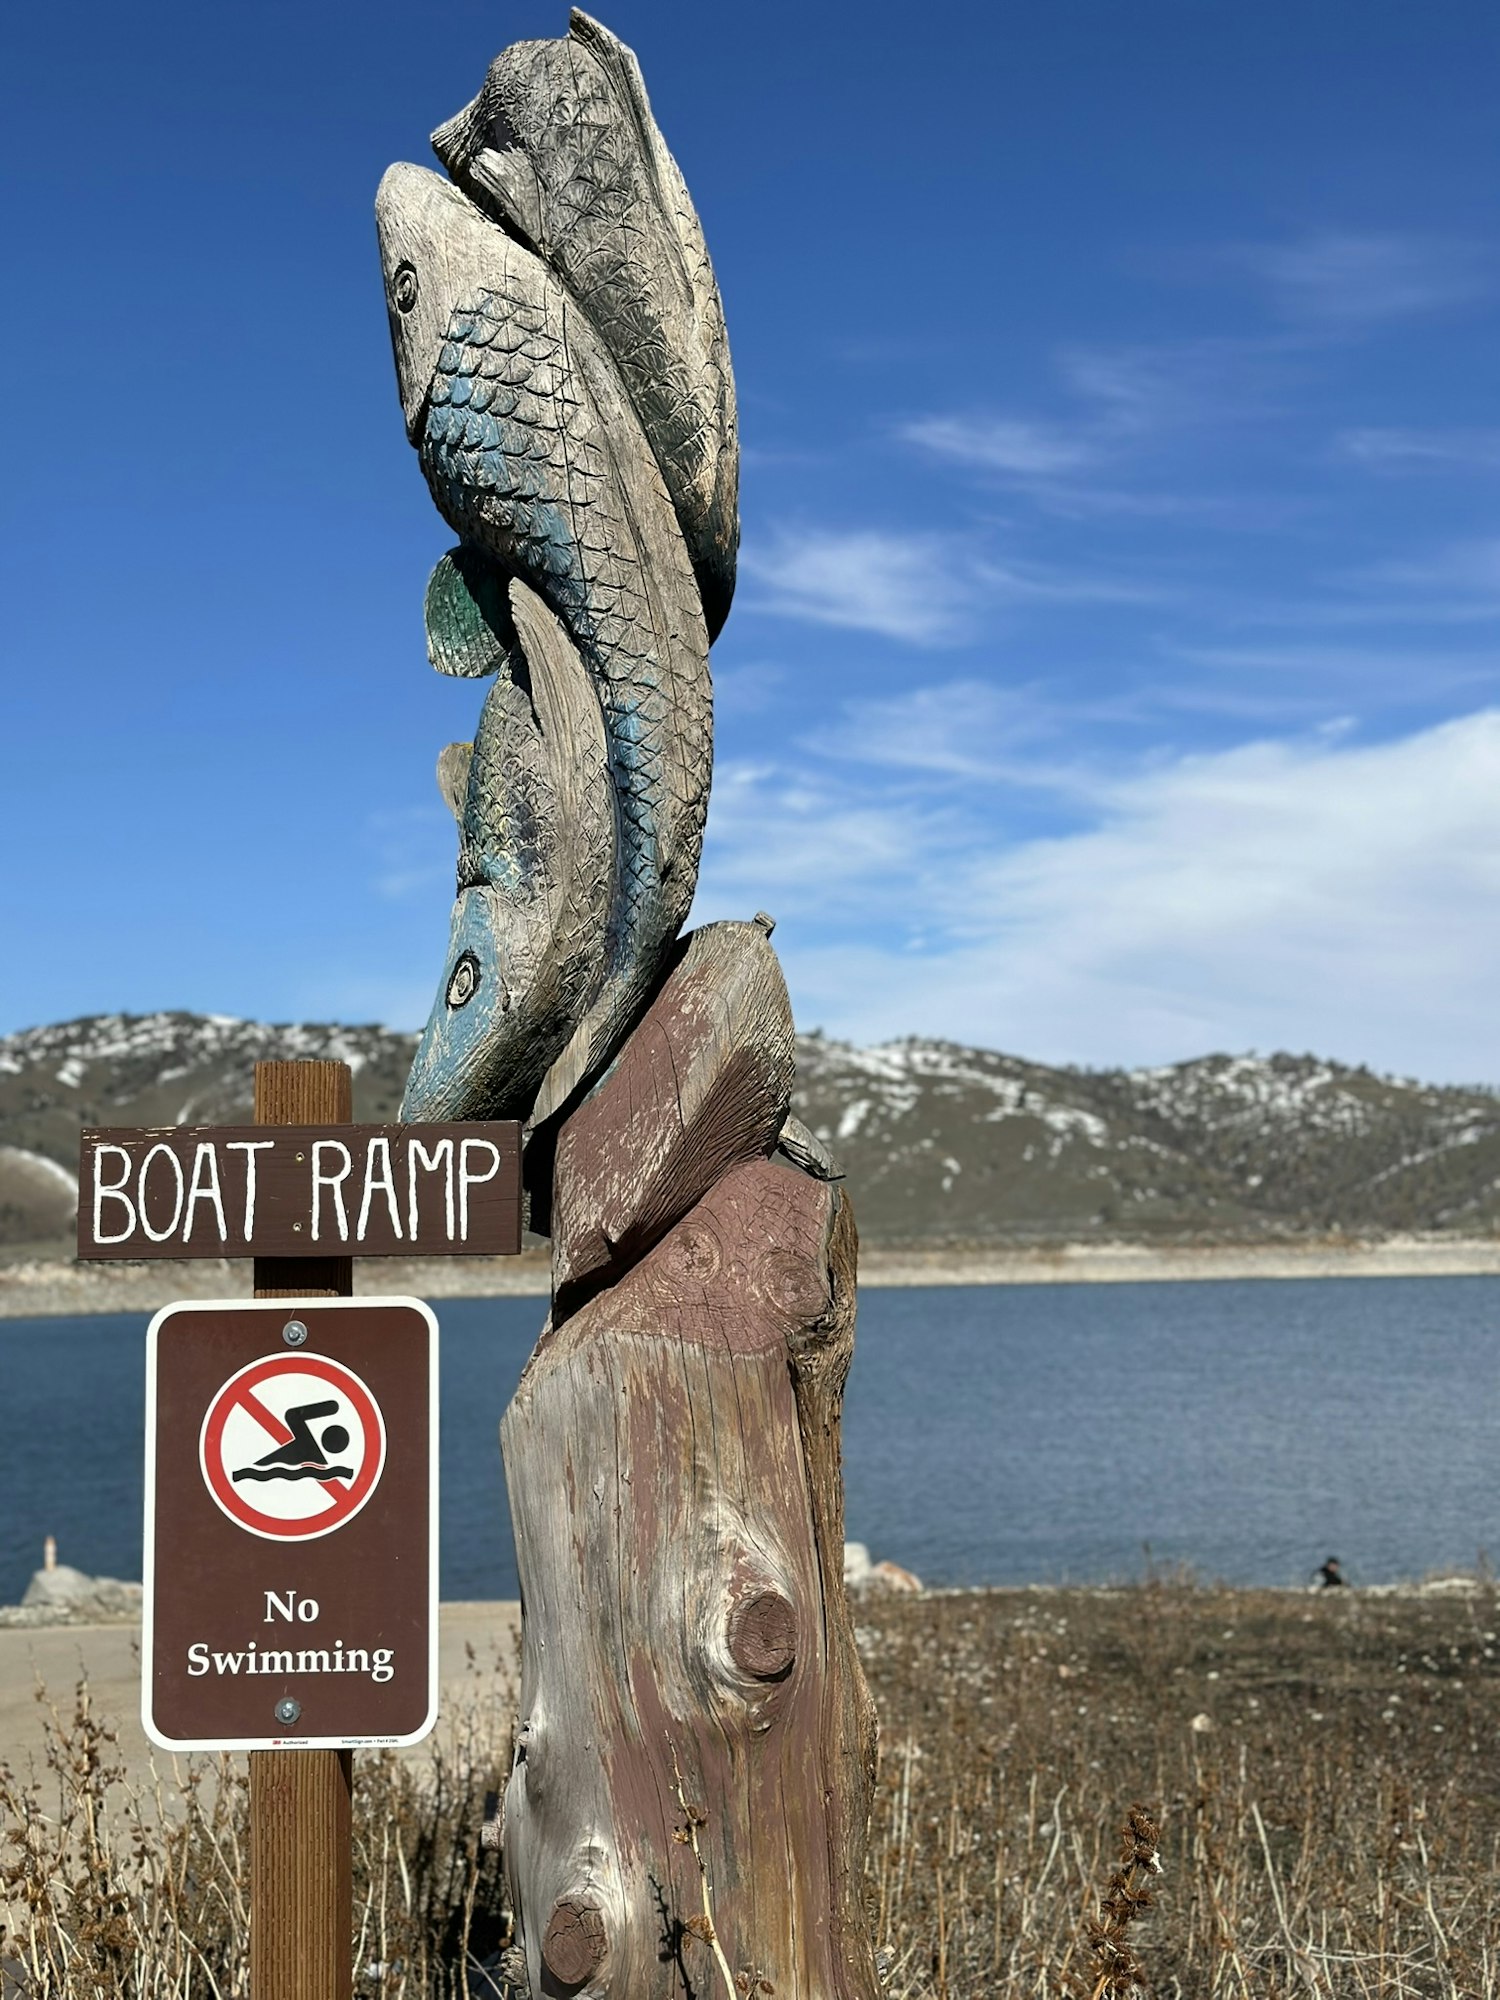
(1004, 1434)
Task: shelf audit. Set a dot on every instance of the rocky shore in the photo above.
(39, 1287)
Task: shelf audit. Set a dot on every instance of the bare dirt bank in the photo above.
(1134, 1263)
(39, 1287)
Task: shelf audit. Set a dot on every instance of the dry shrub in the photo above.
(109, 1887)
(1324, 1768)
(1324, 1803)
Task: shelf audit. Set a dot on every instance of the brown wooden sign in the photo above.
(301, 1191)
(291, 1524)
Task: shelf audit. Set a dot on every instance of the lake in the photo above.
(993, 1434)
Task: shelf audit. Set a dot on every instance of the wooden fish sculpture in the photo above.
(561, 148)
(574, 561)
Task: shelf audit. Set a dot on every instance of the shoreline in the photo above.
(44, 1288)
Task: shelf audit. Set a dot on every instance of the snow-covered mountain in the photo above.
(951, 1144)
(150, 1069)
(943, 1144)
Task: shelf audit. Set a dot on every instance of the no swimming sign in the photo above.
(291, 1524)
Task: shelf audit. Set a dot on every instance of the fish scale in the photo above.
(609, 211)
(524, 479)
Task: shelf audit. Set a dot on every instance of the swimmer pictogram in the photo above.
(292, 1446)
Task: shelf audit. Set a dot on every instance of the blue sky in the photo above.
(1113, 675)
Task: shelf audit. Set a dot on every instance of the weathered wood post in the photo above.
(691, 1788)
(301, 1851)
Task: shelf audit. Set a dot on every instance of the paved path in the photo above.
(476, 1663)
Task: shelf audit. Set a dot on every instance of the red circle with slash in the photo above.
(305, 1485)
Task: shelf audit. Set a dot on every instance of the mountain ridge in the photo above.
(944, 1145)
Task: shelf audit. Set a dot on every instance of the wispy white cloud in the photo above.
(1313, 892)
(1453, 582)
(915, 588)
(747, 688)
(803, 839)
(1334, 279)
(1420, 450)
(1142, 390)
(1371, 676)
(961, 729)
(1004, 444)
(902, 587)
(1134, 410)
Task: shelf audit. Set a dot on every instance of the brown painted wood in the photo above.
(301, 1897)
(691, 1696)
(301, 1837)
(702, 1084)
(174, 1191)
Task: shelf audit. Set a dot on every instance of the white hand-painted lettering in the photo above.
(333, 1182)
(383, 1182)
(249, 1147)
(205, 1187)
(417, 1156)
(115, 1191)
(160, 1235)
(466, 1180)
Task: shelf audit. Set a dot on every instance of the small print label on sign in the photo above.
(291, 1524)
(292, 1447)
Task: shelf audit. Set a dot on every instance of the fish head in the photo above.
(448, 1077)
(437, 252)
(514, 145)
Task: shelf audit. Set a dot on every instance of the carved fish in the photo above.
(536, 824)
(535, 457)
(560, 146)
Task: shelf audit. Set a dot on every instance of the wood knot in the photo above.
(763, 1636)
(766, 923)
(793, 1284)
(574, 1941)
(692, 1253)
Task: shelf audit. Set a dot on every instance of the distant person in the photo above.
(1331, 1576)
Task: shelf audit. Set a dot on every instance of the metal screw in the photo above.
(294, 1333)
(288, 1710)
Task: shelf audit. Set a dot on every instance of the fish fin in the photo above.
(564, 697)
(470, 632)
(617, 59)
(453, 776)
(806, 1150)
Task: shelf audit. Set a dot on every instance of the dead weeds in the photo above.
(1166, 1789)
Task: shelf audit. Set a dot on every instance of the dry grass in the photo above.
(1333, 1830)
(1322, 1770)
(109, 1888)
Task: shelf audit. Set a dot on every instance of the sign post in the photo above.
(290, 1469)
(301, 1835)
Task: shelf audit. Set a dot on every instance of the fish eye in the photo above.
(463, 982)
(404, 287)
